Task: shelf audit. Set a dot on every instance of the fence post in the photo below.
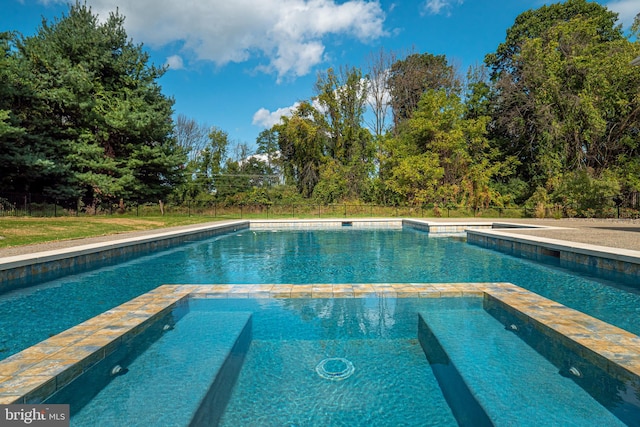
(189, 208)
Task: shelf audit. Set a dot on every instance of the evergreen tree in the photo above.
(96, 124)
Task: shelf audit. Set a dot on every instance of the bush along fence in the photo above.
(38, 206)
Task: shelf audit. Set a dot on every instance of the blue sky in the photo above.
(240, 64)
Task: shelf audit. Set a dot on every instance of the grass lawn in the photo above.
(17, 231)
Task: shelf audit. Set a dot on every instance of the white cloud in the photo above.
(289, 35)
(267, 119)
(435, 7)
(378, 90)
(175, 62)
(626, 9)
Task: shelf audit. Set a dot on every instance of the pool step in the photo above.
(184, 378)
(512, 382)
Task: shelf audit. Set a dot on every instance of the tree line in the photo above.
(551, 117)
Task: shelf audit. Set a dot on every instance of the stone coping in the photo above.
(625, 255)
(326, 222)
(57, 254)
(39, 371)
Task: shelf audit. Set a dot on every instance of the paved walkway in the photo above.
(622, 234)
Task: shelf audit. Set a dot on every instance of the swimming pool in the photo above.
(30, 315)
(287, 348)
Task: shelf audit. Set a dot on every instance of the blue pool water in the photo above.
(321, 256)
(392, 382)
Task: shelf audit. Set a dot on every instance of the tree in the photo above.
(13, 159)
(479, 92)
(566, 98)
(378, 67)
(302, 145)
(439, 156)
(341, 99)
(96, 124)
(533, 23)
(191, 137)
(267, 142)
(413, 76)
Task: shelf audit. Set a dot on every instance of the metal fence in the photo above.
(39, 206)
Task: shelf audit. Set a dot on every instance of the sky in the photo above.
(240, 65)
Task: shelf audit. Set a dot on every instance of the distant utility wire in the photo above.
(246, 175)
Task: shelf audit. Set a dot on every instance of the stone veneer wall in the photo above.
(25, 272)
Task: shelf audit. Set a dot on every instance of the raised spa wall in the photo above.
(36, 373)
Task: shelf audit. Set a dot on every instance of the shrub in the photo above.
(592, 196)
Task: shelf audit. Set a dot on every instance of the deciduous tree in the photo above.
(413, 76)
(567, 98)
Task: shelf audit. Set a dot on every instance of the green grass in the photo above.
(18, 231)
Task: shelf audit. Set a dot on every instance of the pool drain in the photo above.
(335, 369)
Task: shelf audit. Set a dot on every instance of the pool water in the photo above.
(164, 384)
(30, 315)
(515, 384)
(392, 381)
